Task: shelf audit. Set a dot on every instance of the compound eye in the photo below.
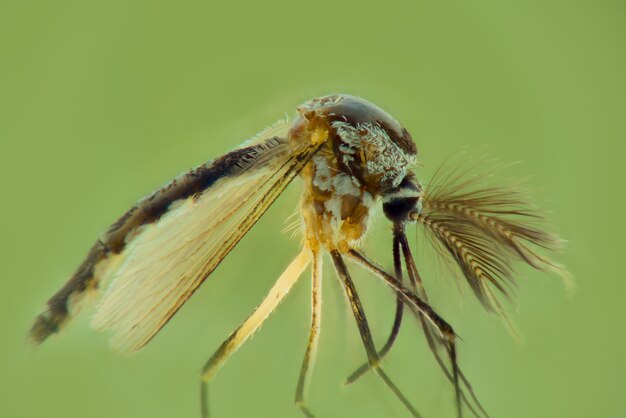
(398, 210)
(400, 202)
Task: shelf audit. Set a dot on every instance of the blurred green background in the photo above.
(102, 101)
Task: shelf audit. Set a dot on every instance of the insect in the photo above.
(351, 157)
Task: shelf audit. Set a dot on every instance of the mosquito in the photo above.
(351, 156)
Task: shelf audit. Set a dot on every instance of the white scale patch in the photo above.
(321, 102)
(340, 184)
(333, 206)
(384, 157)
(323, 179)
(345, 184)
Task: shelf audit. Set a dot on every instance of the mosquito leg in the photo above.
(417, 304)
(419, 307)
(415, 278)
(250, 325)
(397, 322)
(418, 287)
(366, 336)
(311, 348)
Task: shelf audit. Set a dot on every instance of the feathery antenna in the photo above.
(485, 229)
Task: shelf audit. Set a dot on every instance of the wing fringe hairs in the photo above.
(484, 229)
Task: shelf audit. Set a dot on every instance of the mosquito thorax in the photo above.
(365, 154)
(366, 141)
(400, 202)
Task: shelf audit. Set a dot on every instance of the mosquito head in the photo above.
(400, 202)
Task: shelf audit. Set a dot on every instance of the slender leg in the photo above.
(366, 336)
(250, 325)
(414, 278)
(417, 304)
(397, 322)
(400, 242)
(419, 307)
(311, 348)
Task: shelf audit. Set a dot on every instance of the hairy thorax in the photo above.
(366, 154)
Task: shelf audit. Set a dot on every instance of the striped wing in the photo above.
(161, 250)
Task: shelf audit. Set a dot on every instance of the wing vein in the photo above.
(166, 262)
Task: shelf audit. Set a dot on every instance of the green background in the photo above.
(101, 102)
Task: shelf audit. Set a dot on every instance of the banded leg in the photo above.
(250, 325)
(311, 348)
(397, 321)
(419, 307)
(366, 335)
